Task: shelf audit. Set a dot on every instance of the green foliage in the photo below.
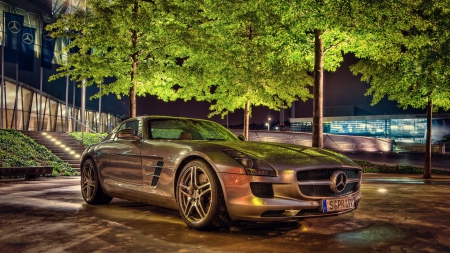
(19, 150)
(419, 69)
(125, 41)
(234, 52)
(417, 74)
(88, 139)
(299, 21)
(235, 57)
(319, 32)
(369, 167)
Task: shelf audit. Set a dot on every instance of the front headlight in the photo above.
(252, 166)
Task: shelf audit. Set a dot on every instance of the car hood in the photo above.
(275, 153)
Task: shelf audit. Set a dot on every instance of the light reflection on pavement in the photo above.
(398, 213)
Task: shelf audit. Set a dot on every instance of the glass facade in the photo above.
(27, 107)
(21, 106)
(404, 128)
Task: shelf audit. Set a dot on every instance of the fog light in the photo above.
(290, 212)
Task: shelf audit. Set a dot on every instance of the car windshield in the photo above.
(188, 129)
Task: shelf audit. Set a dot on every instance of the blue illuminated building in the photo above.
(400, 127)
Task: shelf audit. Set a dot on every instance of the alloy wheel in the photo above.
(194, 194)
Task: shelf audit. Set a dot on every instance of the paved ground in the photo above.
(398, 213)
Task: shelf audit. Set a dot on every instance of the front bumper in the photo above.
(287, 202)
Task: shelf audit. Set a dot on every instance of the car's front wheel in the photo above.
(200, 197)
(90, 185)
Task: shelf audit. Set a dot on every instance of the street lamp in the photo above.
(268, 125)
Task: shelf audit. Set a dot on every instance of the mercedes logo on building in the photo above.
(339, 181)
(47, 36)
(27, 38)
(14, 26)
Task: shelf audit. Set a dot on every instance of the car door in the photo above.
(123, 162)
(160, 153)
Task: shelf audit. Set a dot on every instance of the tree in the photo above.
(322, 31)
(124, 40)
(320, 34)
(418, 73)
(236, 60)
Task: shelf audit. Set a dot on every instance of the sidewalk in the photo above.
(438, 161)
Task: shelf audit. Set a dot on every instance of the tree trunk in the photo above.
(427, 166)
(134, 60)
(133, 87)
(246, 119)
(133, 101)
(317, 138)
(247, 102)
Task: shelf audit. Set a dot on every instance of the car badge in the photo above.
(339, 181)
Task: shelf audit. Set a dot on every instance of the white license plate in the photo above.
(334, 205)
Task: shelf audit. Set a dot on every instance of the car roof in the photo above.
(165, 117)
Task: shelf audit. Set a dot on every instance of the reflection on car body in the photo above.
(212, 177)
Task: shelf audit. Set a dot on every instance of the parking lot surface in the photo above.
(398, 213)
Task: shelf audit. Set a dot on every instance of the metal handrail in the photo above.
(91, 130)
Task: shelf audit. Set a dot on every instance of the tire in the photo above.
(90, 185)
(200, 198)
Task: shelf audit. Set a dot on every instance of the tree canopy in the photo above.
(319, 33)
(417, 73)
(240, 54)
(237, 62)
(124, 40)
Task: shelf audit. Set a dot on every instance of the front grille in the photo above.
(306, 212)
(323, 174)
(274, 213)
(262, 190)
(325, 190)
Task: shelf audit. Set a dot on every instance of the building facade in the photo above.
(29, 101)
(402, 128)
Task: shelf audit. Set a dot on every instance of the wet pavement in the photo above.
(398, 213)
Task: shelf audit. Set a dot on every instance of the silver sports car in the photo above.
(212, 177)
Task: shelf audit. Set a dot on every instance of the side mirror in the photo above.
(241, 137)
(127, 134)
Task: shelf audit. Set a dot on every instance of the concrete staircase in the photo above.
(60, 144)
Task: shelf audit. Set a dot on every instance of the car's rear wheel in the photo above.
(90, 185)
(200, 197)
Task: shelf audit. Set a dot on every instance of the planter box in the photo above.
(28, 172)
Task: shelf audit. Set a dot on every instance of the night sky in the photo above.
(341, 88)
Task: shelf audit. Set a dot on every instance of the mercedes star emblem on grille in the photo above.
(339, 181)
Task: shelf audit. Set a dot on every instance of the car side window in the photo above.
(164, 129)
(135, 125)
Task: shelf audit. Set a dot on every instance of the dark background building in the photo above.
(30, 100)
